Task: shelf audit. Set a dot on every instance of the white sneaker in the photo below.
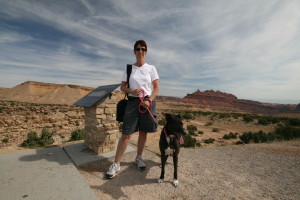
(113, 170)
(140, 163)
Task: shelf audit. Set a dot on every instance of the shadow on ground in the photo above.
(115, 187)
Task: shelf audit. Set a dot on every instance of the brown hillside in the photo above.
(45, 93)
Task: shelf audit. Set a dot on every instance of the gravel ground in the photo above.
(255, 171)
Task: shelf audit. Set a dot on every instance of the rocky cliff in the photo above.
(225, 100)
(45, 93)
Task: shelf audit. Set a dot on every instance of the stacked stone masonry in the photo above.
(101, 127)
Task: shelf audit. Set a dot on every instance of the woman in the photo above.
(143, 78)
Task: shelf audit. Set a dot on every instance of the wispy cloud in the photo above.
(247, 48)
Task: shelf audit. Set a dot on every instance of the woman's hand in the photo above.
(147, 103)
(136, 92)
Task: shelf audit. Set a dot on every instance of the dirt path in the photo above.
(255, 171)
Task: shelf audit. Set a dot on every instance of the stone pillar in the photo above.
(101, 127)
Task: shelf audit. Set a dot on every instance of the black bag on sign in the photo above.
(121, 106)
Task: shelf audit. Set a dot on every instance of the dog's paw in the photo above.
(176, 183)
(160, 180)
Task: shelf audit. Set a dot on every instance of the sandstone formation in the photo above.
(225, 100)
(45, 93)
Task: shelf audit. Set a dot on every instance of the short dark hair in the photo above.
(141, 43)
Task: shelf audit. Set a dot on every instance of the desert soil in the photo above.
(252, 171)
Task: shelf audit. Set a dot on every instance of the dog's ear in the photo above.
(168, 117)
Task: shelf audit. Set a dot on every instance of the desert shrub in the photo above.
(230, 136)
(287, 132)
(162, 122)
(78, 134)
(5, 140)
(209, 123)
(209, 141)
(224, 115)
(282, 132)
(189, 141)
(294, 121)
(215, 130)
(235, 115)
(33, 140)
(192, 132)
(46, 137)
(248, 118)
(263, 121)
(258, 137)
(246, 137)
(191, 128)
(200, 132)
(187, 116)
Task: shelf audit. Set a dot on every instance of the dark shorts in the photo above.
(135, 121)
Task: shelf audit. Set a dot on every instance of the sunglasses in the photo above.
(138, 49)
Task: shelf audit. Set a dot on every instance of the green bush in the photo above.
(287, 132)
(189, 141)
(235, 115)
(224, 115)
(248, 118)
(230, 136)
(200, 132)
(246, 137)
(260, 137)
(215, 130)
(46, 137)
(263, 121)
(78, 134)
(187, 116)
(34, 141)
(294, 121)
(192, 132)
(282, 132)
(5, 140)
(209, 141)
(192, 128)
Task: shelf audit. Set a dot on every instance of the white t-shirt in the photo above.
(141, 77)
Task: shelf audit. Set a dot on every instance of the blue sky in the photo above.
(249, 48)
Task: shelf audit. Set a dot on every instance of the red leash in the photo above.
(147, 109)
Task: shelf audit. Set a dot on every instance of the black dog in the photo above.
(169, 144)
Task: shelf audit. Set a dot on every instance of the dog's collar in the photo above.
(181, 141)
(165, 132)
